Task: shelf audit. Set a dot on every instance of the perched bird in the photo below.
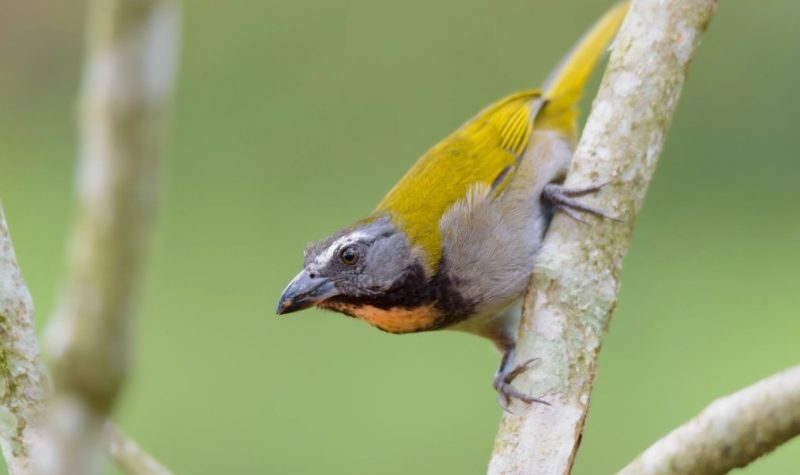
(452, 245)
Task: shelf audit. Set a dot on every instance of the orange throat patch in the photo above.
(392, 320)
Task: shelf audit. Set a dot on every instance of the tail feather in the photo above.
(563, 88)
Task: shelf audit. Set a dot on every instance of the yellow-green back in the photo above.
(489, 145)
(478, 152)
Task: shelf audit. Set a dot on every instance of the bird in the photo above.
(453, 243)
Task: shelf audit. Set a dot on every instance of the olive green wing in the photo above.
(484, 150)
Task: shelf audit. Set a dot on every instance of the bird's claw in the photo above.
(506, 392)
(564, 199)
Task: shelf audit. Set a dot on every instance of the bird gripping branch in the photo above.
(452, 245)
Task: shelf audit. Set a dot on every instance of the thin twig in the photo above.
(576, 280)
(730, 433)
(127, 81)
(129, 456)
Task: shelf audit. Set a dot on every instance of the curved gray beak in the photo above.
(303, 292)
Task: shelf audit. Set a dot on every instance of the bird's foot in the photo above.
(506, 392)
(564, 199)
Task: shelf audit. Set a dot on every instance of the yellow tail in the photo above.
(564, 86)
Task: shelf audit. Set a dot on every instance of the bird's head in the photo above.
(366, 264)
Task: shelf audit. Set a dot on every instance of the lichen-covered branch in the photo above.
(127, 80)
(730, 433)
(575, 283)
(23, 382)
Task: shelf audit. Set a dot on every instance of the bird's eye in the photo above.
(349, 256)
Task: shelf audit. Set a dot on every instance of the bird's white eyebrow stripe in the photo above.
(325, 257)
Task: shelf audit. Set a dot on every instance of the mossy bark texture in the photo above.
(576, 280)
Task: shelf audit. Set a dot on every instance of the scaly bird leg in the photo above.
(563, 199)
(505, 376)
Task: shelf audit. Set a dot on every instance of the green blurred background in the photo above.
(292, 118)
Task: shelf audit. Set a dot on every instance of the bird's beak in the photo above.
(304, 291)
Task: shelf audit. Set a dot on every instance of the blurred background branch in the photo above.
(25, 387)
(129, 457)
(730, 433)
(128, 77)
(575, 284)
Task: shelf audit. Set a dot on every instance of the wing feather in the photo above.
(481, 151)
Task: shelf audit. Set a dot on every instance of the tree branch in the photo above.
(731, 432)
(127, 80)
(23, 382)
(575, 283)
